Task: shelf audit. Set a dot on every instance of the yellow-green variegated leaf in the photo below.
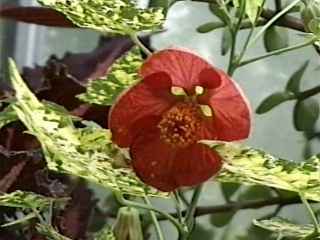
(50, 233)
(252, 9)
(109, 16)
(251, 166)
(86, 153)
(123, 74)
(287, 229)
(105, 233)
(7, 116)
(25, 200)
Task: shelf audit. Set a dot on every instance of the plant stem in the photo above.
(231, 65)
(233, 62)
(178, 206)
(135, 39)
(309, 209)
(189, 220)
(128, 203)
(272, 20)
(246, 44)
(276, 52)
(308, 93)
(278, 4)
(154, 219)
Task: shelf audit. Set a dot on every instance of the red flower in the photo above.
(162, 129)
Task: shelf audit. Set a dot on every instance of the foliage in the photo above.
(285, 228)
(117, 16)
(61, 143)
(25, 200)
(78, 144)
(250, 166)
(123, 74)
(50, 233)
(7, 116)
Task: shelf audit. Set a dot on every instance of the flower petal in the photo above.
(138, 102)
(195, 164)
(231, 112)
(209, 78)
(166, 168)
(152, 160)
(183, 67)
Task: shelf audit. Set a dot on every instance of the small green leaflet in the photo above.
(252, 8)
(285, 228)
(7, 116)
(50, 232)
(123, 73)
(25, 200)
(250, 166)
(109, 16)
(105, 233)
(64, 145)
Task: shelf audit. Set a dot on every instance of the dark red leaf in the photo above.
(36, 15)
(74, 221)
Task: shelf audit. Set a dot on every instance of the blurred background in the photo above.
(273, 132)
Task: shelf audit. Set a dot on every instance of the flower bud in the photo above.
(128, 225)
(310, 14)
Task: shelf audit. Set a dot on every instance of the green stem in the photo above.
(178, 206)
(276, 52)
(272, 20)
(183, 198)
(128, 203)
(154, 219)
(278, 4)
(135, 39)
(310, 211)
(231, 65)
(193, 206)
(246, 44)
(233, 61)
(308, 93)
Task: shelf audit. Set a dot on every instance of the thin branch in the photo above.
(285, 21)
(278, 4)
(250, 204)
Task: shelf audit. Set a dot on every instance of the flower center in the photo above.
(179, 125)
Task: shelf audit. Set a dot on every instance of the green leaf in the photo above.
(164, 4)
(209, 26)
(7, 116)
(286, 228)
(247, 165)
(293, 84)
(221, 219)
(256, 192)
(219, 12)
(50, 232)
(252, 9)
(109, 16)
(26, 200)
(274, 100)
(276, 38)
(306, 113)
(105, 233)
(64, 145)
(123, 74)
(226, 41)
(228, 189)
